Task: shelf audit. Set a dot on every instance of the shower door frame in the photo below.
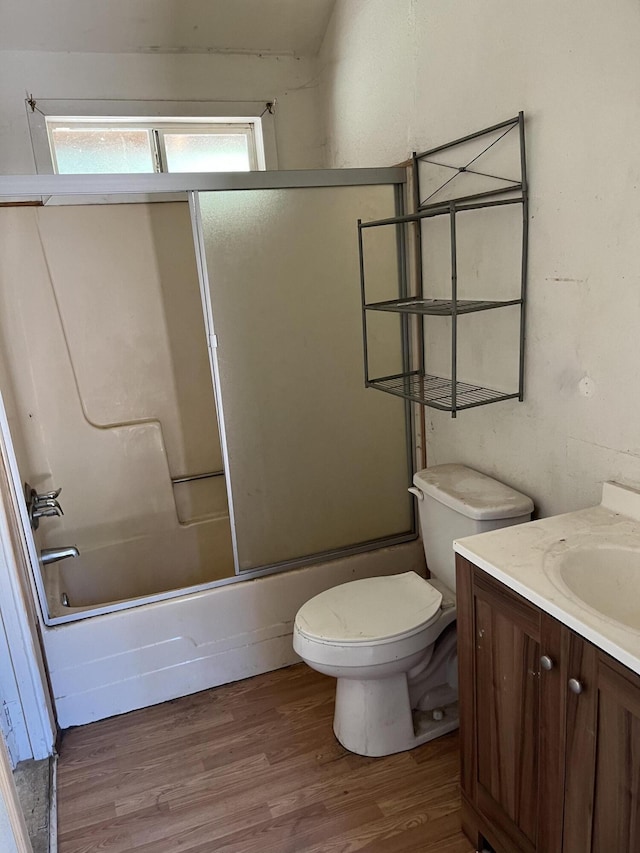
(107, 189)
(212, 345)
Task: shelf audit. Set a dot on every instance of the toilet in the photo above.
(391, 641)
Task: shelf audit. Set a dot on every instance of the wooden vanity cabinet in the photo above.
(499, 649)
(602, 769)
(544, 769)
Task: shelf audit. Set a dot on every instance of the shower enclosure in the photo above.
(107, 386)
(204, 413)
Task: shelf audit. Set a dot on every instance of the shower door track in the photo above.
(39, 186)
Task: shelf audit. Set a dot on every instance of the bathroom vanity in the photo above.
(550, 682)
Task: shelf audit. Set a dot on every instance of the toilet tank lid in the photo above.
(471, 493)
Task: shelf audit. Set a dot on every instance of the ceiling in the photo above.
(165, 26)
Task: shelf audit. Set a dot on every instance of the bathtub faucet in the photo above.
(53, 555)
(41, 506)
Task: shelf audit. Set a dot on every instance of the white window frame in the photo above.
(256, 151)
(259, 113)
(157, 129)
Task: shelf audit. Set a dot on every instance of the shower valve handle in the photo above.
(48, 503)
(48, 496)
(42, 512)
(41, 506)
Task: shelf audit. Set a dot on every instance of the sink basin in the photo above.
(604, 575)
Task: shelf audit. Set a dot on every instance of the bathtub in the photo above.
(138, 570)
(132, 654)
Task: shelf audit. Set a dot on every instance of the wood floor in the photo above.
(251, 767)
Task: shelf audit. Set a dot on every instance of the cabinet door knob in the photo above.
(575, 686)
(546, 662)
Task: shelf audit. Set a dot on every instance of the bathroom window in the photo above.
(100, 145)
(126, 136)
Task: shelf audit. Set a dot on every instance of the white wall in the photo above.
(12, 826)
(188, 77)
(7, 840)
(409, 74)
(12, 723)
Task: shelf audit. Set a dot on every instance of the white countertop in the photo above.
(524, 557)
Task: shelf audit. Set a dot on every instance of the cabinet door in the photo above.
(554, 645)
(616, 814)
(580, 744)
(602, 805)
(500, 777)
(507, 697)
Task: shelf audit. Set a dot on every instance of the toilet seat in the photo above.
(370, 612)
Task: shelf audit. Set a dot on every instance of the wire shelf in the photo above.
(437, 391)
(464, 157)
(438, 307)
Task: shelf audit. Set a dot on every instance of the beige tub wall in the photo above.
(176, 266)
(104, 264)
(127, 287)
(147, 358)
(25, 343)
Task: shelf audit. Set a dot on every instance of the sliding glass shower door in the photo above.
(315, 463)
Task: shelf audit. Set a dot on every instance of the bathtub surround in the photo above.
(104, 305)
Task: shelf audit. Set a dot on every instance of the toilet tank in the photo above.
(456, 501)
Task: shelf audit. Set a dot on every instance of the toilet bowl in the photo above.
(390, 641)
(371, 635)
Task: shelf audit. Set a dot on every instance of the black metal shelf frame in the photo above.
(437, 391)
(414, 383)
(438, 307)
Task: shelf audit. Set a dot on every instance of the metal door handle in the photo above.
(576, 686)
(546, 662)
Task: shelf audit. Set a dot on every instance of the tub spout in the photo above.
(53, 555)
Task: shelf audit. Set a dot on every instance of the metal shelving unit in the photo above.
(448, 393)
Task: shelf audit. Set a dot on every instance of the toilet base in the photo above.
(427, 728)
(373, 717)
